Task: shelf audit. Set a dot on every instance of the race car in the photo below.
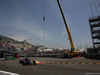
(25, 61)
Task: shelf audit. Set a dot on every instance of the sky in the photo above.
(23, 20)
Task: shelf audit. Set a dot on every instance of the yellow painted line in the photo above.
(76, 62)
(90, 63)
(69, 62)
(48, 62)
(53, 62)
(83, 63)
(58, 62)
(64, 63)
(97, 63)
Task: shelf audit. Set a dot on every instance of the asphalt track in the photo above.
(53, 66)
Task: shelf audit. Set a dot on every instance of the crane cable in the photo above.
(96, 8)
(91, 9)
(43, 22)
(98, 3)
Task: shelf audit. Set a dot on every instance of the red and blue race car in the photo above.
(26, 61)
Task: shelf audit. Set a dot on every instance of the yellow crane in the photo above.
(67, 28)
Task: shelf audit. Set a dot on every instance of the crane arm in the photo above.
(68, 31)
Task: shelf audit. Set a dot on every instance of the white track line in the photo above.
(8, 73)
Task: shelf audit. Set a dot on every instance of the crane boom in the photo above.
(67, 28)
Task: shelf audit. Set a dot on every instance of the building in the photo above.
(95, 31)
(22, 46)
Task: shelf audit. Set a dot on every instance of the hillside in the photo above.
(11, 40)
